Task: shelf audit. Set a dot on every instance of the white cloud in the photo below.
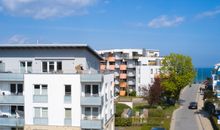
(211, 13)
(165, 21)
(17, 39)
(42, 9)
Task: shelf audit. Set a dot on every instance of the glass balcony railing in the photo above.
(12, 99)
(68, 121)
(91, 77)
(11, 77)
(40, 98)
(67, 99)
(92, 124)
(40, 121)
(11, 122)
(92, 100)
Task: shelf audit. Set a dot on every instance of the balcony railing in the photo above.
(11, 77)
(92, 124)
(40, 121)
(12, 99)
(92, 100)
(123, 84)
(131, 74)
(68, 121)
(40, 98)
(91, 77)
(11, 122)
(67, 99)
(131, 82)
(130, 66)
(123, 76)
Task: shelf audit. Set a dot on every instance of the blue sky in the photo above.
(189, 27)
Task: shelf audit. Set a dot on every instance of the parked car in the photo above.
(158, 128)
(193, 105)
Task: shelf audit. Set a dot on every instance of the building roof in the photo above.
(25, 46)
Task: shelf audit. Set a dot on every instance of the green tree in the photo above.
(177, 71)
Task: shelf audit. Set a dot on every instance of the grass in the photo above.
(156, 117)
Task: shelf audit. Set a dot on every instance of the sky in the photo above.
(188, 27)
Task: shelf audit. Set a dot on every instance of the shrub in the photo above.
(123, 121)
(133, 93)
(120, 108)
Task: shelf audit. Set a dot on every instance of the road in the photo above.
(186, 119)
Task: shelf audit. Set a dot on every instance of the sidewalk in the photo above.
(202, 118)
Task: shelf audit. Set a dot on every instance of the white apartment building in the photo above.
(216, 79)
(54, 87)
(133, 68)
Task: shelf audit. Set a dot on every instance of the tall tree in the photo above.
(177, 71)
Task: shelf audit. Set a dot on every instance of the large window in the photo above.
(67, 90)
(16, 89)
(14, 109)
(68, 113)
(91, 90)
(91, 112)
(41, 112)
(40, 89)
(26, 67)
(51, 66)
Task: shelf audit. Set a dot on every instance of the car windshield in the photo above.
(193, 103)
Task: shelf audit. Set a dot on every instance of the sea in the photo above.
(202, 74)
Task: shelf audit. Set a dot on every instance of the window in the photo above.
(87, 111)
(26, 67)
(68, 113)
(44, 112)
(37, 112)
(51, 66)
(41, 112)
(59, 66)
(95, 89)
(67, 90)
(151, 71)
(44, 66)
(40, 89)
(16, 89)
(92, 90)
(95, 112)
(14, 109)
(87, 89)
(106, 97)
(13, 88)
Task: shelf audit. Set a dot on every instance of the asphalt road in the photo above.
(185, 119)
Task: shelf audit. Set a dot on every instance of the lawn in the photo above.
(157, 116)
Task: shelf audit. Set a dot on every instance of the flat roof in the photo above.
(25, 46)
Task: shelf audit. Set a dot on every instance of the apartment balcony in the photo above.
(152, 63)
(123, 67)
(91, 78)
(92, 100)
(68, 122)
(40, 98)
(12, 99)
(117, 66)
(116, 82)
(130, 66)
(111, 59)
(116, 74)
(11, 122)
(92, 124)
(123, 84)
(11, 77)
(131, 82)
(122, 93)
(40, 121)
(123, 76)
(111, 67)
(102, 67)
(131, 74)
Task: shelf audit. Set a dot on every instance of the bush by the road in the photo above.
(123, 121)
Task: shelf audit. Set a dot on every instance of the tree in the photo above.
(177, 71)
(154, 93)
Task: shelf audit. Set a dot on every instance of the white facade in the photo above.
(54, 87)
